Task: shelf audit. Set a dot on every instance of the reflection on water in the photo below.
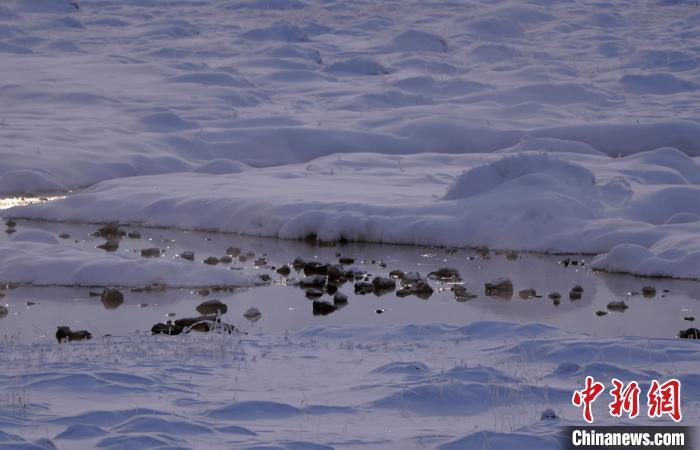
(9, 202)
(34, 313)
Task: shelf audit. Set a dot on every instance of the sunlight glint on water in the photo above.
(10, 202)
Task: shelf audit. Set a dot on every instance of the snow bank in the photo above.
(100, 90)
(37, 257)
(343, 386)
(551, 202)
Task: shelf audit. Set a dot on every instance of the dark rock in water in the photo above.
(462, 294)
(649, 291)
(202, 323)
(64, 236)
(225, 259)
(10, 230)
(315, 268)
(690, 333)
(511, 256)
(265, 278)
(205, 324)
(617, 306)
(211, 260)
(363, 287)
(383, 285)
(335, 272)
(65, 334)
(451, 250)
(554, 296)
(252, 314)
(527, 294)
(689, 318)
(111, 230)
(346, 260)
(313, 281)
(168, 328)
(243, 258)
(109, 246)
(410, 277)
(576, 293)
(112, 298)
(501, 287)
(202, 292)
(379, 311)
(405, 291)
(446, 274)
(188, 255)
(556, 302)
(4, 312)
(323, 308)
(422, 289)
(260, 262)
(397, 274)
(152, 252)
(601, 313)
(284, 270)
(233, 251)
(313, 293)
(331, 288)
(10, 223)
(340, 299)
(134, 235)
(213, 306)
(298, 263)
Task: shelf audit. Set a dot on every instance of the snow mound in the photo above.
(418, 41)
(656, 84)
(29, 180)
(656, 261)
(357, 66)
(279, 32)
(490, 439)
(272, 5)
(485, 178)
(167, 122)
(520, 201)
(221, 166)
(45, 6)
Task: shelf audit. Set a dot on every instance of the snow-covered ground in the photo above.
(351, 91)
(113, 89)
(483, 385)
(642, 212)
(542, 125)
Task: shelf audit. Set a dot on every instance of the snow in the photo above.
(100, 90)
(37, 257)
(638, 212)
(431, 386)
(543, 126)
